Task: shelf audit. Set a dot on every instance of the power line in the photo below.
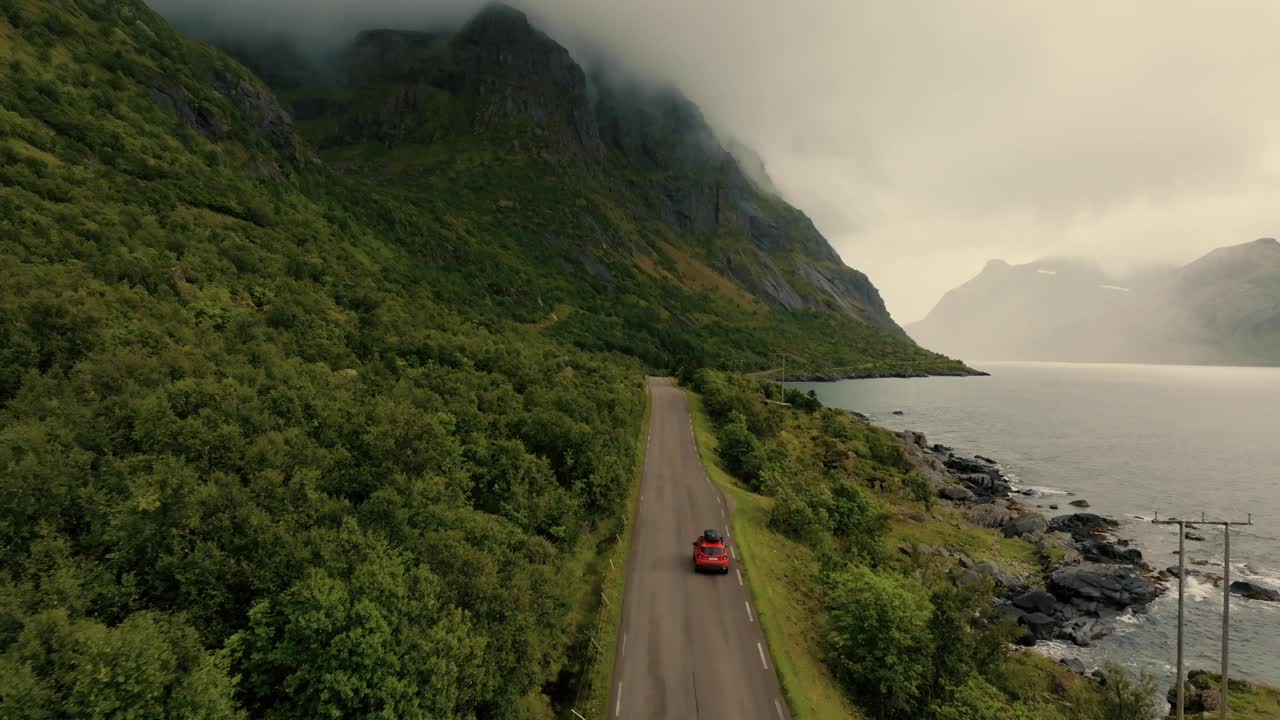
(1226, 599)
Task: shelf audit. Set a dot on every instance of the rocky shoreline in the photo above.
(1089, 578)
(873, 374)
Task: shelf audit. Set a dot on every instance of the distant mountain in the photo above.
(1221, 309)
(1230, 300)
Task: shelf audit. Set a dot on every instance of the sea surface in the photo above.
(1133, 440)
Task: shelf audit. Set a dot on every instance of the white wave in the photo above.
(1041, 489)
(1199, 589)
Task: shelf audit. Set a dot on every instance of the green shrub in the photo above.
(800, 514)
(740, 450)
(1124, 696)
(856, 516)
(877, 640)
(920, 488)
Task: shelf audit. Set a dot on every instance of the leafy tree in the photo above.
(367, 635)
(739, 449)
(150, 666)
(877, 639)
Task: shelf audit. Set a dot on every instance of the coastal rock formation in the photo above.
(1093, 576)
(1112, 585)
(1254, 591)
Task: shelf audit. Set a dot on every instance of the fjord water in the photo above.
(1132, 440)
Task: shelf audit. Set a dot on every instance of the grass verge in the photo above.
(593, 700)
(783, 586)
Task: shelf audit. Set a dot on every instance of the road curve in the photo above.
(689, 646)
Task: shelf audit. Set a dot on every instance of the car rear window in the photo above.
(712, 551)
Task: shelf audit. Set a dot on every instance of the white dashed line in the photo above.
(717, 500)
(617, 708)
(750, 617)
(777, 705)
(721, 513)
(763, 662)
(624, 644)
(739, 576)
(731, 552)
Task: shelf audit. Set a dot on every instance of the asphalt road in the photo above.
(690, 646)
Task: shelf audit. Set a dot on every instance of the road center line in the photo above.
(617, 707)
(624, 644)
(721, 513)
(750, 617)
(739, 576)
(763, 662)
(731, 552)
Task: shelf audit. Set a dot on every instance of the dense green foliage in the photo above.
(257, 455)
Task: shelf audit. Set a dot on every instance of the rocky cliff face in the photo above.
(501, 79)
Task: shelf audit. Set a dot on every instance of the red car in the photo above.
(710, 553)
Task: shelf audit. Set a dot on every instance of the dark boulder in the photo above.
(969, 466)
(1254, 591)
(1082, 631)
(1102, 551)
(1028, 524)
(1117, 586)
(955, 493)
(1193, 536)
(1036, 601)
(1080, 503)
(1040, 625)
(1083, 524)
(1075, 665)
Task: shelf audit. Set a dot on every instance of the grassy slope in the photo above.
(780, 573)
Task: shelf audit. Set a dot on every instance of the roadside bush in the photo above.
(740, 450)
(877, 640)
(800, 515)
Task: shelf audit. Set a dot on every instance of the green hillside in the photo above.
(284, 405)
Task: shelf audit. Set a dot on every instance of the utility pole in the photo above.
(1226, 601)
(1182, 582)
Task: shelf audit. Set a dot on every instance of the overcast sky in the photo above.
(926, 137)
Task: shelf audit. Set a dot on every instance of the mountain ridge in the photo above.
(699, 188)
(1222, 308)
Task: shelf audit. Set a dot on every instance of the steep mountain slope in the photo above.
(280, 419)
(627, 188)
(1223, 308)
